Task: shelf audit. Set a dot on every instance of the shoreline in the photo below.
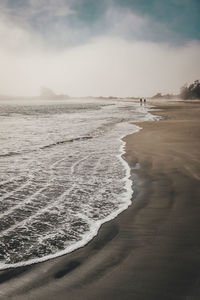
(88, 237)
(143, 253)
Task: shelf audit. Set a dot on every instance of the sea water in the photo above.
(62, 174)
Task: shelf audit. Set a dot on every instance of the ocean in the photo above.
(62, 173)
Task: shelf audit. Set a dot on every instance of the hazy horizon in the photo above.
(112, 48)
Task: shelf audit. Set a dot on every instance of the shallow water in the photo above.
(61, 174)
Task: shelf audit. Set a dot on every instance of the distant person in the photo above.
(144, 100)
(140, 100)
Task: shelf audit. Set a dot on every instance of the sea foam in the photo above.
(62, 175)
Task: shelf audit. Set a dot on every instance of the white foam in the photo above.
(125, 197)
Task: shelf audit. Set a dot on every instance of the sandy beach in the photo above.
(151, 250)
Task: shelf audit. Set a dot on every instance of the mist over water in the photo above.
(61, 174)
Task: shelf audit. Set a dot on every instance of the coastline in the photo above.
(149, 251)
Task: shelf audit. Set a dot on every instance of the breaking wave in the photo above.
(69, 178)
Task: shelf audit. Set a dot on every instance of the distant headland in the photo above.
(187, 92)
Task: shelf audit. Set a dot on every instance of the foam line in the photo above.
(93, 224)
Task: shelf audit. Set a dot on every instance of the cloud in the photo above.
(119, 55)
(51, 7)
(46, 19)
(73, 22)
(105, 66)
(26, 10)
(125, 23)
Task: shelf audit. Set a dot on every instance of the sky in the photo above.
(97, 47)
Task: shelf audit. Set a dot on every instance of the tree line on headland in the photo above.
(187, 92)
(191, 92)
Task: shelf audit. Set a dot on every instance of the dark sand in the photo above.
(150, 251)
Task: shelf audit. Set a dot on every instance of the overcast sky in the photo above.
(98, 47)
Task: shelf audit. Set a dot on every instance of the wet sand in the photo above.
(151, 250)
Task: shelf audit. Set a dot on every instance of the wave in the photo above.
(82, 138)
(86, 238)
(55, 201)
(66, 141)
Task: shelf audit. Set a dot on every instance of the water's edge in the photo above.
(88, 237)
